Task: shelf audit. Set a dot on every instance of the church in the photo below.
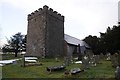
(46, 38)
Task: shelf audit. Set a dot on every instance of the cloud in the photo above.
(82, 17)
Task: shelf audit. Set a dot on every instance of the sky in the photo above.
(82, 17)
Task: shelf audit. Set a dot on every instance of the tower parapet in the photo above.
(47, 10)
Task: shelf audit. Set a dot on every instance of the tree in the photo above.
(93, 42)
(7, 48)
(111, 39)
(108, 41)
(24, 41)
(102, 43)
(16, 43)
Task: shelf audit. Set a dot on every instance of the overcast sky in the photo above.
(82, 17)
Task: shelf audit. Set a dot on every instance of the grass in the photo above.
(104, 70)
(9, 56)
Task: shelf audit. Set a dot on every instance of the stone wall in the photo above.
(45, 36)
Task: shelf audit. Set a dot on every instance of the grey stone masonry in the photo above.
(45, 34)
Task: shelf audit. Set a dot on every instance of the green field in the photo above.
(104, 70)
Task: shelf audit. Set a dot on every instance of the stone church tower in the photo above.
(45, 33)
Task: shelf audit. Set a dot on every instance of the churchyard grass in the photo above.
(104, 70)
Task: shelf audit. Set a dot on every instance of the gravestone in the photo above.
(30, 61)
(114, 60)
(108, 55)
(117, 73)
(91, 57)
(85, 62)
(95, 63)
(97, 59)
(101, 56)
(119, 58)
(88, 54)
(23, 61)
(75, 71)
(67, 61)
(92, 60)
(55, 68)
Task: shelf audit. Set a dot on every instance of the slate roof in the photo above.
(72, 40)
